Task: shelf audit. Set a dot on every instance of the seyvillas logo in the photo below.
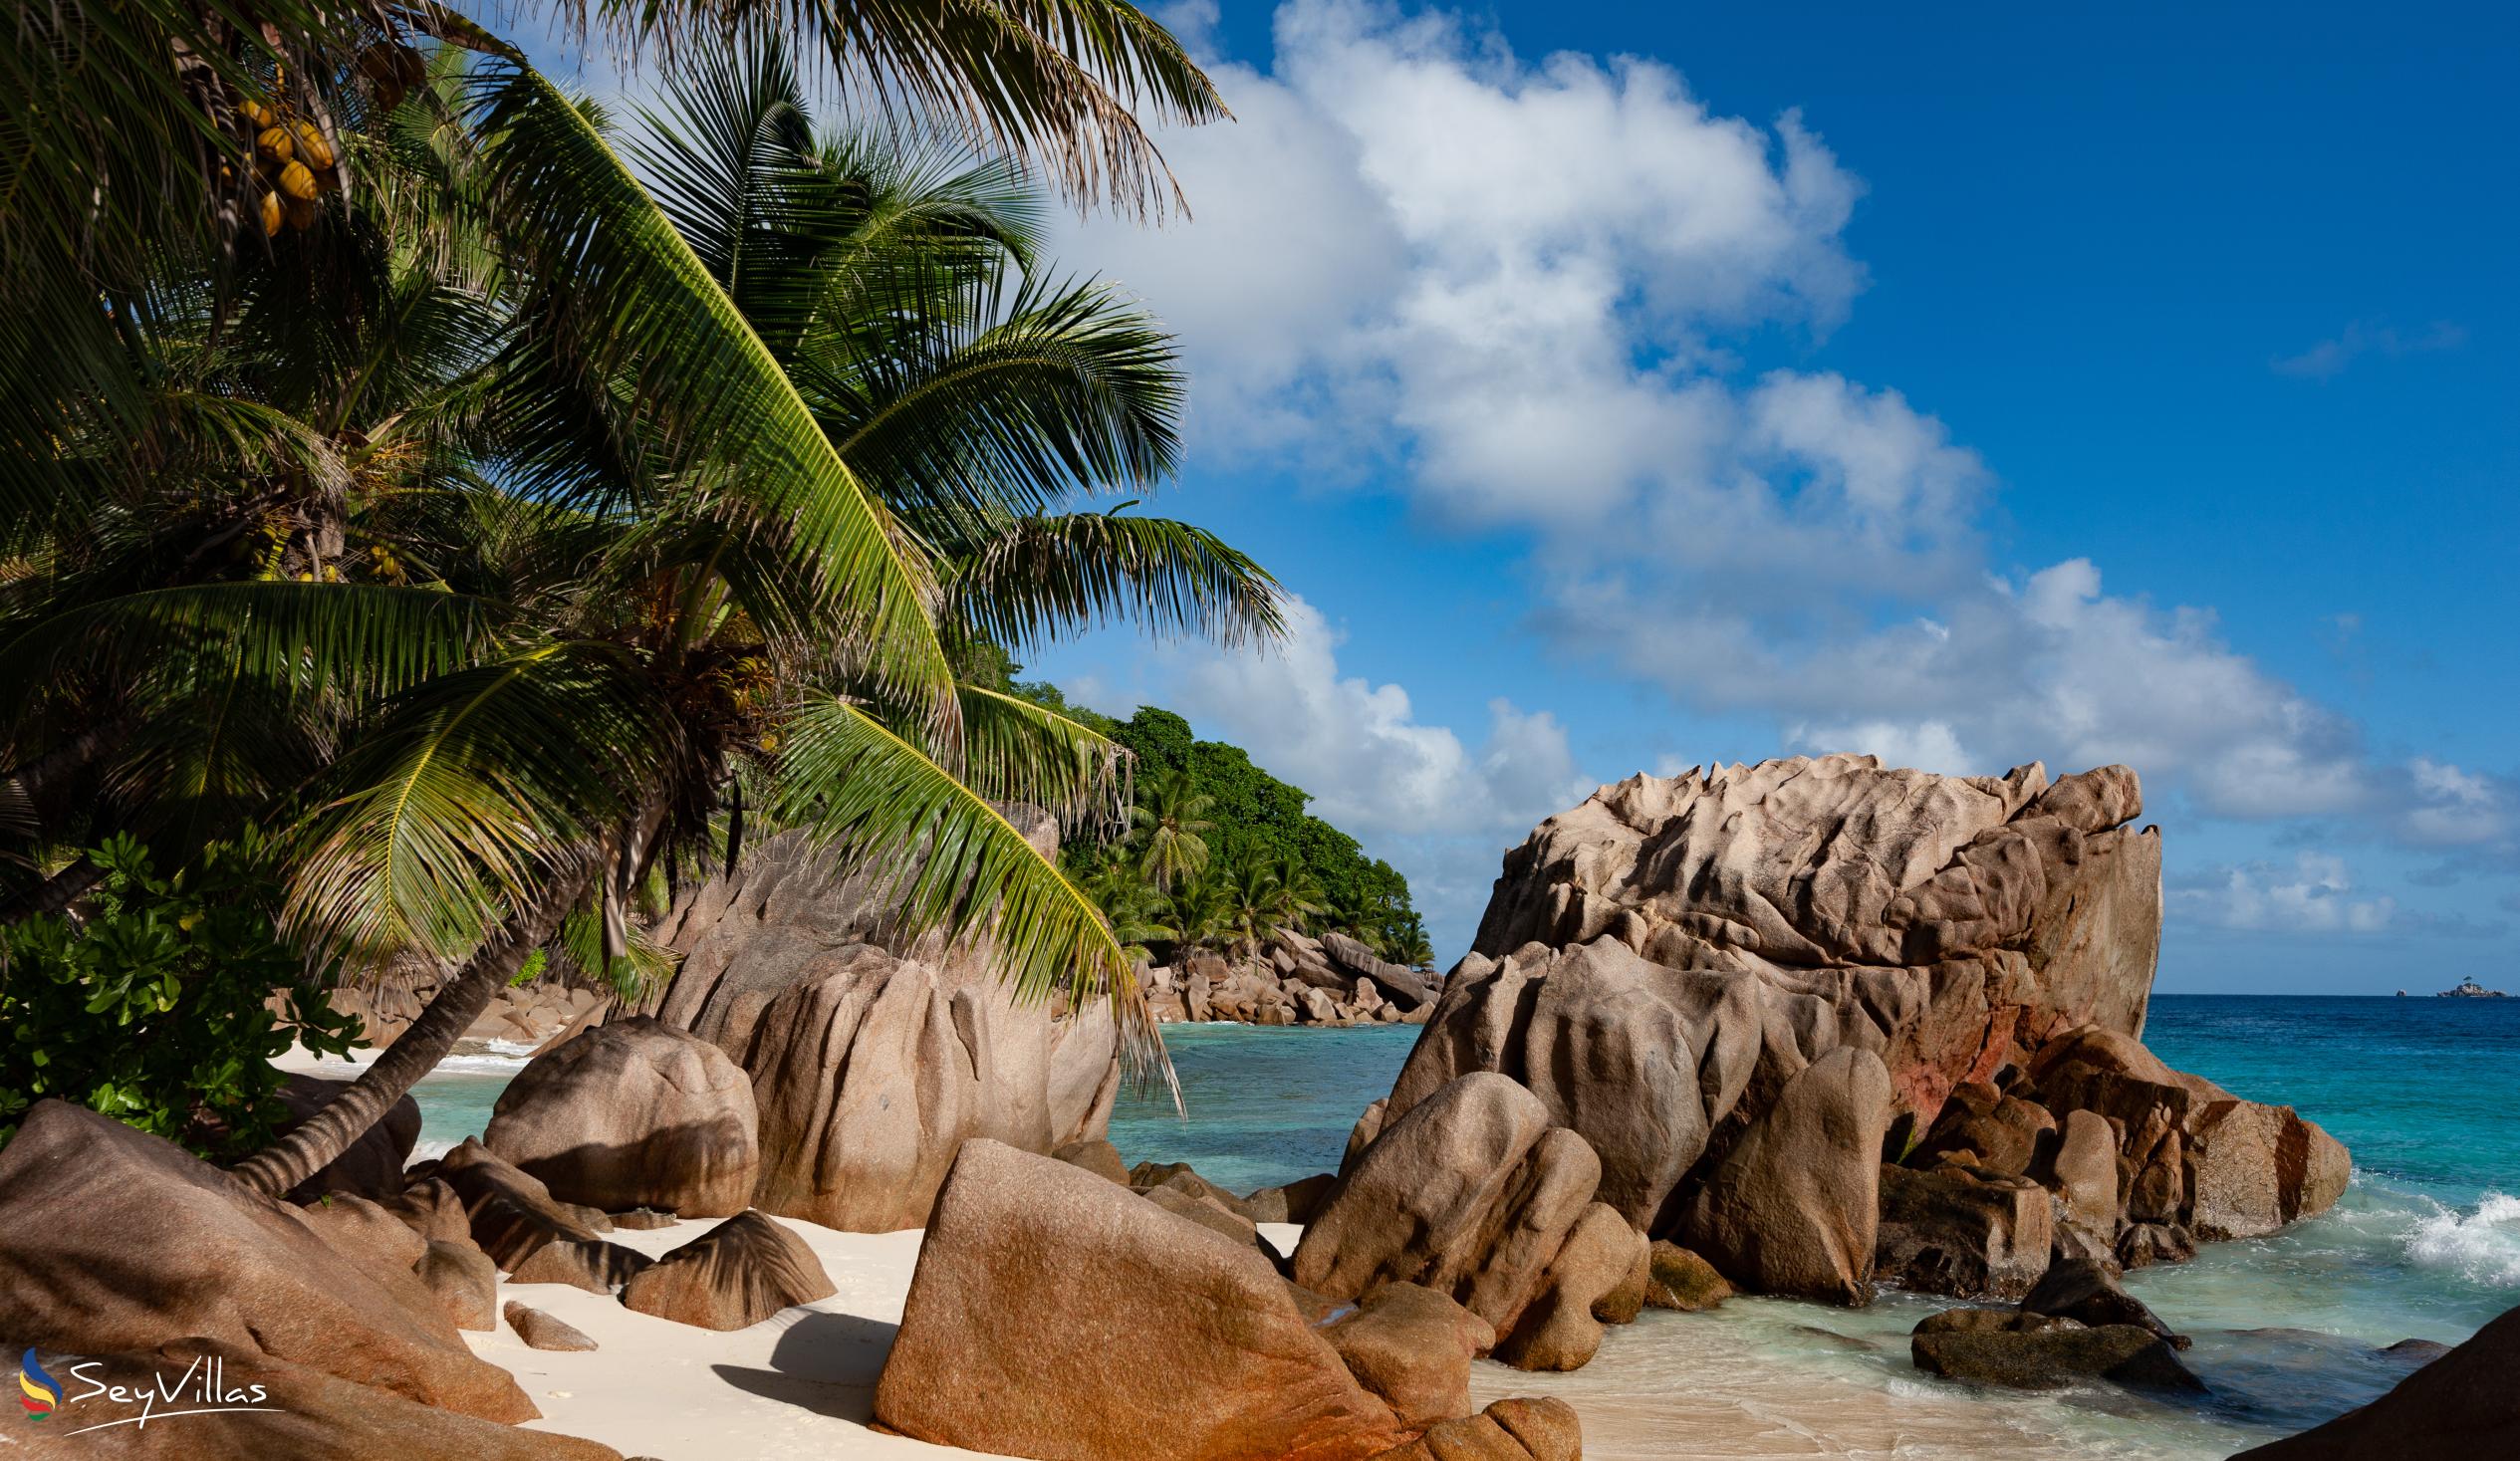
(202, 1389)
(41, 1394)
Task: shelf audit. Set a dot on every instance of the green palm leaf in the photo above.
(472, 792)
(871, 795)
(728, 424)
(1044, 575)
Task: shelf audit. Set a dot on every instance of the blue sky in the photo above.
(1624, 388)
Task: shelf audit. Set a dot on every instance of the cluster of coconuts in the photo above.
(295, 161)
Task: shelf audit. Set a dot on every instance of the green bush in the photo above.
(1260, 821)
(149, 1005)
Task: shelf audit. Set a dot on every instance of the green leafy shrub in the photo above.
(151, 1004)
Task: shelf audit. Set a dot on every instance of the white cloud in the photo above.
(2329, 357)
(1372, 766)
(1517, 284)
(2314, 896)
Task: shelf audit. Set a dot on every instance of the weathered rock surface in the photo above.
(542, 1331)
(1962, 1230)
(2088, 1293)
(511, 1214)
(1599, 1275)
(870, 1059)
(1793, 1206)
(633, 1113)
(1471, 1194)
(1661, 965)
(1412, 1346)
(1677, 1278)
(120, 1242)
(1508, 1431)
(598, 1266)
(1046, 1289)
(2462, 1406)
(732, 1276)
(463, 1280)
(306, 1414)
(2036, 1351)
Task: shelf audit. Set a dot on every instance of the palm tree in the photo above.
(1297, 895)
(1200, 911)
(134, 124)
(1169, 825)
(686, 580)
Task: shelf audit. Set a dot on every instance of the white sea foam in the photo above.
(2483, 1245)
(432, 1150)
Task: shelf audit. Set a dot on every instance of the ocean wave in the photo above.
(2483, 1245)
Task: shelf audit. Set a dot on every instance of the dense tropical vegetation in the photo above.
(503, 504)
(1218, 853)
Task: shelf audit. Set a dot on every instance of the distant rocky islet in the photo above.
(1800, 1028)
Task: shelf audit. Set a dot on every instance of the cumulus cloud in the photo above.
(1517, 284)
(2316, 894)
(1372, 766)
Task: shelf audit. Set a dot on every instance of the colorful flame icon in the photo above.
(43, 1392)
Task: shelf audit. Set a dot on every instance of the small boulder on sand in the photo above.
(541, 1330)
(732, 1276)
(1677, 1278)
(598, 1266)
(512, 1213)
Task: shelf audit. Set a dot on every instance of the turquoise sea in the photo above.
(2426, 1242)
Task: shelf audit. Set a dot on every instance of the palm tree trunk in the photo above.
(328, 1133)
(54, 893)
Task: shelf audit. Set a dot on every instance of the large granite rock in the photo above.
(1794, 1207)
(1470, 1194)
(633, 1113)
(274, 1411)
(1962, 1230)
(1662, 964)
(119, 1242)
(1056, 1316)
(2462, 1406)
(873, 1059)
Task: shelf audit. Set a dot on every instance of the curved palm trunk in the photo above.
(325, 1135)
(54, 893)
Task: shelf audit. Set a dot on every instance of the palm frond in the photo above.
(953, 863)
(1016, 751)
(1045, 576)
(1004, 401)
(728, 419)
(473, 790)
(362, 640)
(1057, 83)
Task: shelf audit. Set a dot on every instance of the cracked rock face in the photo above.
(1656, 964)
